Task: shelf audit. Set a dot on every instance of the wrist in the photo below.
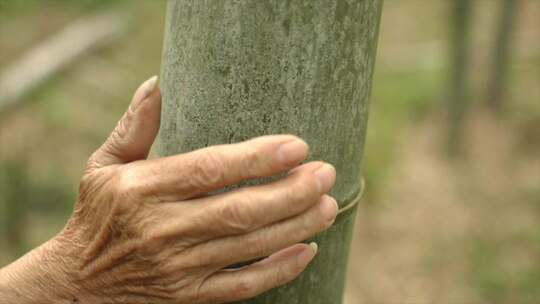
(40, 276)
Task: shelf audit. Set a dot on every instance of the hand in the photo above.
(147, 231)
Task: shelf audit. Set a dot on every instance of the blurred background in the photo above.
(452, 209)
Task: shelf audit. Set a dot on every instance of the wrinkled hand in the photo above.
(146, 230)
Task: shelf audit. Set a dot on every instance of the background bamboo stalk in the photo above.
(498, 82)
(458, 98)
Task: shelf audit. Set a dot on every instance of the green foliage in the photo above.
(497, 276)
(20, 193)
(14, 195)
(17, 7)
(398, 99)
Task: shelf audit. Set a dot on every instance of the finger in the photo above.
(247, 209)
(247, 282)
(136, 130)
(265, 241)
(194, 173)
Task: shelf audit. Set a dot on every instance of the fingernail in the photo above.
(307, 255)
(148, 87)
(292, 152)
(329, 208)
(314, 246)
(326, 176)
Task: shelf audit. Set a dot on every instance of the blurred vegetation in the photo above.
(497, 85)
(429, 229)
(460, 31)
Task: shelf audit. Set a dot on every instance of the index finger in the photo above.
(194, 173)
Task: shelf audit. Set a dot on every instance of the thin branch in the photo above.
(55, 53)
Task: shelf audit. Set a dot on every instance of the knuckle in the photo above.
(153, 238)
(169, 287)
(86, 182)
(121, 130)
(92, 182)
(308, 228)
(255, 245)
(283, 275)
(304, 189)
(251, 159)
(310, 225)
(119, 135)
(309, 182)
(208, 169)
(234, 219)
(244, 288)
(93, 162)
(126, 184)
(159, 233)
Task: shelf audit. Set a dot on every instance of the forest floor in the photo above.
(445, 232)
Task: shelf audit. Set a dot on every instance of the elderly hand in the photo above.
(147, 231)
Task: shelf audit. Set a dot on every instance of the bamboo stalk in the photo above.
(233, 70)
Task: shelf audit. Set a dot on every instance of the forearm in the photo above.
(37, 277)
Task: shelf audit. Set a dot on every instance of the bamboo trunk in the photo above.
(460, 21)
(498, 82)
(233, 70)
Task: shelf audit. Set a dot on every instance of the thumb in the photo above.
(135, 132)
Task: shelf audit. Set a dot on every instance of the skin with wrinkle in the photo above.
(140, 231)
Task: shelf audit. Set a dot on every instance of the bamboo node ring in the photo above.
(355, 200)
